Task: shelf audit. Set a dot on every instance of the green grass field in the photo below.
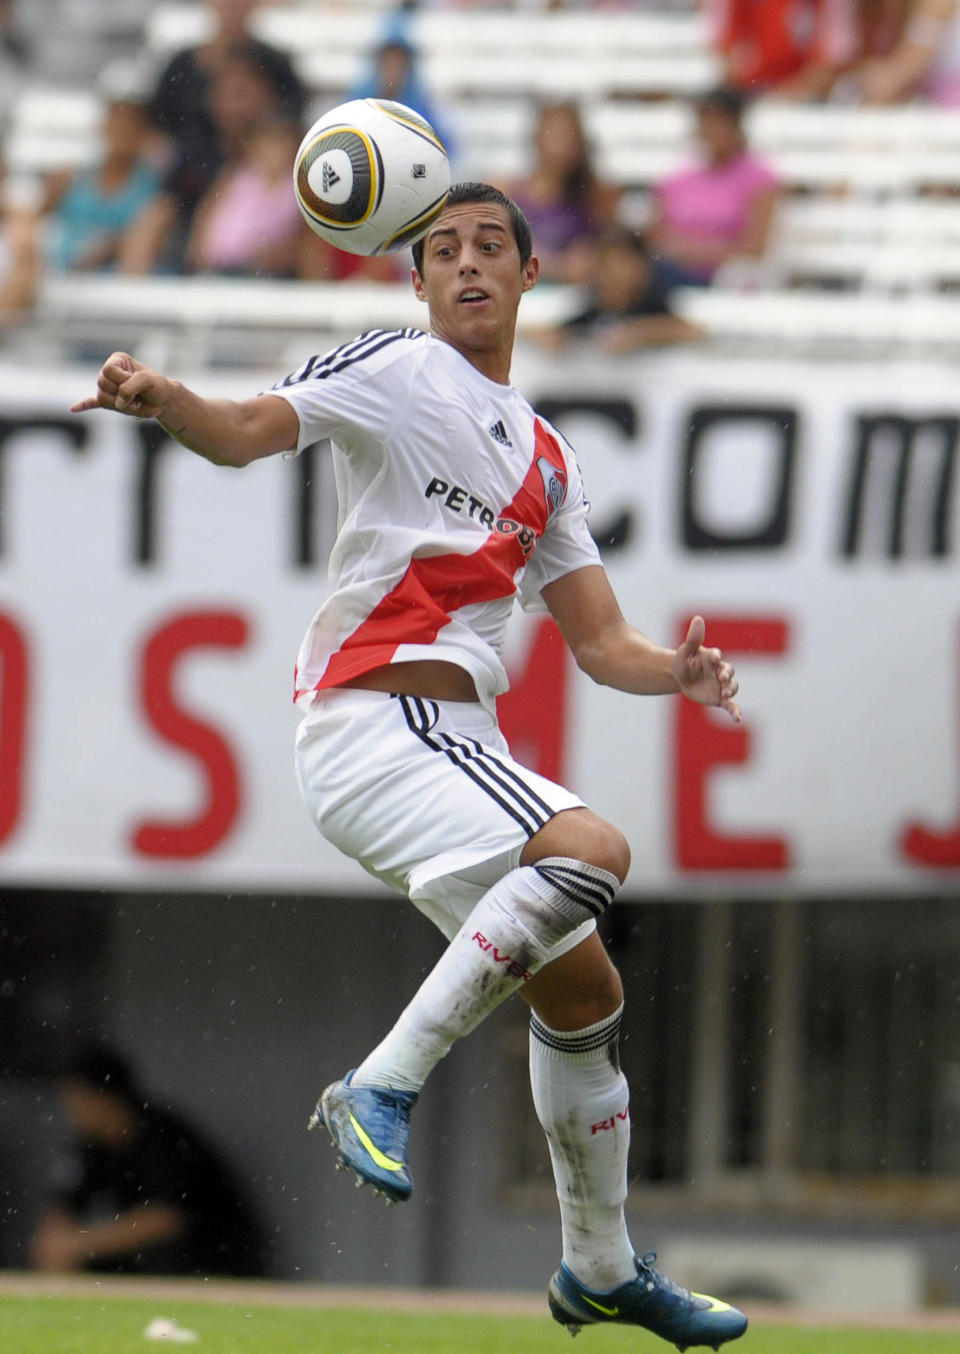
(97, 1325)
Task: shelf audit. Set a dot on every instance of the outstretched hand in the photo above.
(128, 387)
(703, 674)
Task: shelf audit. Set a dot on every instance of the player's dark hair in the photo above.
(486, 193)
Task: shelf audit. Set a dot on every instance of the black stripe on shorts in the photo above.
(500, 782)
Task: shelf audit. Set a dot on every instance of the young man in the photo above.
(455, 497)
(143, 1191)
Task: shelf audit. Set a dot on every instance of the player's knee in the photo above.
(611, 852)
(580, 834)
(577, 990)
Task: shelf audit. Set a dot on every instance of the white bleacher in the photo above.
(823, 147)
(493, 137)
(194, 320)
(772, 320)
(898, 243)
(198, 320)
(635, 143)
(576, 54)
(52, 128)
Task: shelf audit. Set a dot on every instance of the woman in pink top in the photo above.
(248, 221)
(720, 209)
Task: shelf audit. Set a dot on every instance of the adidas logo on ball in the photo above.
(333, 176)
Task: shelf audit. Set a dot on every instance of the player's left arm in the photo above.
(615, 653)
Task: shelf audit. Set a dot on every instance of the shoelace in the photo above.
(645, 1267)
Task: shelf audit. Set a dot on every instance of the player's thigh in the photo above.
(419, 791)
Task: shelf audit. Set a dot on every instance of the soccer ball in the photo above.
(371, 176)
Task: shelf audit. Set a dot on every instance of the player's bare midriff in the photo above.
(433, 679)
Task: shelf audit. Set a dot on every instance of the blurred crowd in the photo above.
(192, 174)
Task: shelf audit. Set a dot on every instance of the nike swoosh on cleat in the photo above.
(384, 1162)
(715, 1304)
(607, 1311)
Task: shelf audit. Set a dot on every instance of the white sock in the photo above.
(505, 940)
(582, 1101)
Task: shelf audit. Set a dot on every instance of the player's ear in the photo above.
(417, 281)
(530, 271)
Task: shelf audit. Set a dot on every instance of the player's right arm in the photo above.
(227, 432)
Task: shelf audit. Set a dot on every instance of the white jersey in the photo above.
(454, 496)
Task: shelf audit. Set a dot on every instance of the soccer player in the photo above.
(455, 497)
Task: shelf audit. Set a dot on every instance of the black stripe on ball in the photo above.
(412, 231)
(366, 187)
(401, 113)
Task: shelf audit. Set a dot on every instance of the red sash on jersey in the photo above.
(435, 586)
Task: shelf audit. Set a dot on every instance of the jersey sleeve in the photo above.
(353, 392)
(566, 544)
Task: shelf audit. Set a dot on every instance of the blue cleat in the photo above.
(650, 1300)
(370, 1128)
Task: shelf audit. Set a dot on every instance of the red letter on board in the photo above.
(533, 713)
(13, 720)
(702, 742)
(198, 835)
(922, 846)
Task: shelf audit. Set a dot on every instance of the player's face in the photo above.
(472, 279)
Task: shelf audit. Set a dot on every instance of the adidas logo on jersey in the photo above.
(329, 177)
(499, 433)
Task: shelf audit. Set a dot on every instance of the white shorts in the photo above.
(424, 794)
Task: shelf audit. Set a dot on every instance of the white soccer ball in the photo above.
(371, 176)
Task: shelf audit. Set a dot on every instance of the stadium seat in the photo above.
(209, 319)
(777, 319)
(51, 128)
(581, 55)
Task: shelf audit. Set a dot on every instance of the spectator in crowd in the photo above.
(394, 75)
(563, 197)
(12, 40)
(248, 223)
(19, 254)
(145, 1194)
(793, 49)
(924, 63)
(199, 138)
(15, 54)
(628, 301)
(241, 96)
(718, 210)
(91, 212)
